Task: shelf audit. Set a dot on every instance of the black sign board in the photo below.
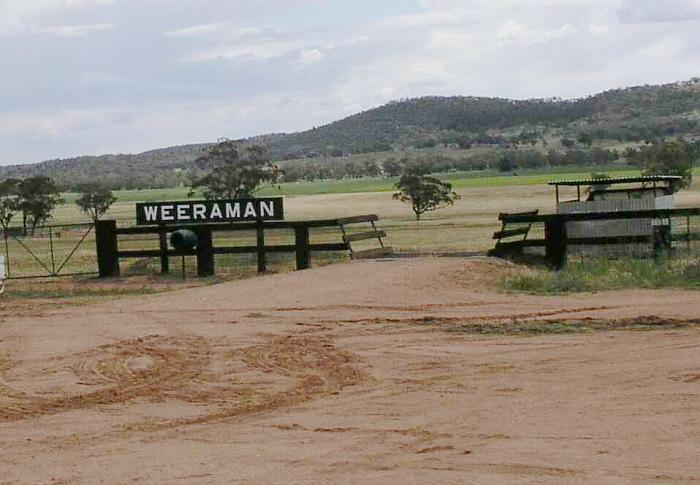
(205, 211)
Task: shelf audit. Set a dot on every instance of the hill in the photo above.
(630, 115)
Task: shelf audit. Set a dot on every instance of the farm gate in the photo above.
(50, 251)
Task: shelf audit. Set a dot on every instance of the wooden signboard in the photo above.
(210, 211)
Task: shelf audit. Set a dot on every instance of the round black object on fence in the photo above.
(183, 240)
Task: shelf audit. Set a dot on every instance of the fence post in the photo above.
(205, 252)
(7, 252)
(107, 249)
(53, 257)
(260, 243)
(163, 243)
(662, 242)
(555, 237)
(301, 236)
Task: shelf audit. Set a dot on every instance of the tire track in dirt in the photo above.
(231, 381)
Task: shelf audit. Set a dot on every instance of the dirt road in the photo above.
(353, 373)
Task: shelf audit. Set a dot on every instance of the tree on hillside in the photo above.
(95, 200)
(667, 158)
(505, 164)
(36, 198)
(585, 139)
(392, 167)
(424, 193)
(230, 174)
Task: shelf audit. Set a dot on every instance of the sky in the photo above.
(87, 77)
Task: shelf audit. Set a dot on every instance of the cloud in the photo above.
(23, 8)
(310, 56)
(17, 28)
(195, 30)
(643, 11)
(180, 71)
(74, 30)
(514, 32)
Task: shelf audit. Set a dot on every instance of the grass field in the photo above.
(488, 178)
(531, 185)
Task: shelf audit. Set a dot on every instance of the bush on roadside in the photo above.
(603, 274)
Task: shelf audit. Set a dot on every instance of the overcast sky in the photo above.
(84, 77)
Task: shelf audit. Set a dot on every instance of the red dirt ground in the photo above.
(353, 373)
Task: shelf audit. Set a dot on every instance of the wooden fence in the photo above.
(556, 239)
(108, 252)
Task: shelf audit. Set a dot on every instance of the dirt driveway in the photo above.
(363, 372)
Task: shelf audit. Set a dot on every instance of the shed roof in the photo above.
(618, 180)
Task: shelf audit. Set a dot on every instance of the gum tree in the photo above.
(229, 172)
(424, 193)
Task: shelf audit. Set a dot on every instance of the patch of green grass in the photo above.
(549, 327)
(566, 326)
(77, 292)
(484, 178)
(522, 328)
(603, 274)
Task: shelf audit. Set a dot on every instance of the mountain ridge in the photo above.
(625, 114)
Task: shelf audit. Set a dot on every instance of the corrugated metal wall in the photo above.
(611, 228)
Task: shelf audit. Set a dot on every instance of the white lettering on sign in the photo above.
(151, 212)
(267, 209)
(199, 211)
(215, 212)
(166, 213)
(182, 214)
(235, 210)
(250, 210)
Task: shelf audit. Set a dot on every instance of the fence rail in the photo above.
(109, 251)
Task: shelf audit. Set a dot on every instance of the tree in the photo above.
(36, 198)
(7, 212)
(585, 139)
(600, 184)
(392, 168)
(228, 174)
(95, 200)
(667, 158)
(505, 164)
(424, 193)
(8, 202)
(567, 142)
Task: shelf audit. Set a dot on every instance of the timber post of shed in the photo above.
(662, 241)
(555, 236)
(107, 249)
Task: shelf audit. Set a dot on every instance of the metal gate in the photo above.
(50, 251)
